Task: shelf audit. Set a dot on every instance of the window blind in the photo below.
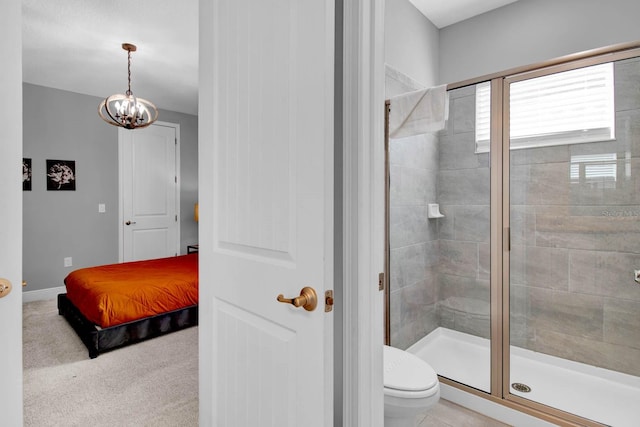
(564, 108)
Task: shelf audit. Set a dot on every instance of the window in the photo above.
(564, 108)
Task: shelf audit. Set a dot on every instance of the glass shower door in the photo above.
(439, 245)
(574, 218)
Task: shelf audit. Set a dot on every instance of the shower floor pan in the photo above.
(598, 394)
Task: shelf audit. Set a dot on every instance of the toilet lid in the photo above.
(406, 371)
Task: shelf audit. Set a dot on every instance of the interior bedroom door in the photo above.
(11, 214)
(149, 191)
(266, 211)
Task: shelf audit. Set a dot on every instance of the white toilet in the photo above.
(410, 387)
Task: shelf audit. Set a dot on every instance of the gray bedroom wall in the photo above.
(530, 31)
(59, 224)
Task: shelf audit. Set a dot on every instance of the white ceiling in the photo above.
(75, 45)
(446, 12)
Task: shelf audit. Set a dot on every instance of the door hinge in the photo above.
(175, 179)
(381, 282)
(176, 218)
(328, 301)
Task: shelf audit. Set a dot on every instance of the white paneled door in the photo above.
(149, 190)
(11, 214)
(266, 211)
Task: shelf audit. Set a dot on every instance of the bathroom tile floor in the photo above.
(448, 414)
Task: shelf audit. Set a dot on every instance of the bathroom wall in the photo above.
(530, 31)
(576, 244)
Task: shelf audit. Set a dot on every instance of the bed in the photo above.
(115, 305)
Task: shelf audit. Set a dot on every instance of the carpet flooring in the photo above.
(153, 383)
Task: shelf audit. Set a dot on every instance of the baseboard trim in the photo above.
(42, 294)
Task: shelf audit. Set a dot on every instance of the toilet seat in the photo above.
(407, 376)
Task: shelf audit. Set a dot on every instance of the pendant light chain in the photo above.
(129, 71)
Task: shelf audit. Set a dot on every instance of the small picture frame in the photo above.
(26, 174)
(61, 175)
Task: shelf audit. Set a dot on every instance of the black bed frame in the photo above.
(99, 340)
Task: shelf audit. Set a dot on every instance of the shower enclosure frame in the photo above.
(500, 238)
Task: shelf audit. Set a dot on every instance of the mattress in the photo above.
(109, 295)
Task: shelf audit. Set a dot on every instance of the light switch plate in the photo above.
(101, 208)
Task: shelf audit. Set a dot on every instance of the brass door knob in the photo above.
(308, 299)
(5, 287)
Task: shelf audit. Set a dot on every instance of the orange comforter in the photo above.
(109, 295)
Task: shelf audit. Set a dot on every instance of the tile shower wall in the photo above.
(576, 243)
(413, 238)
(464, 232)
(440, 267)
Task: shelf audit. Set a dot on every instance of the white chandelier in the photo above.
(126, 110)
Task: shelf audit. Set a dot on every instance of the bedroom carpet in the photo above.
(152, 383)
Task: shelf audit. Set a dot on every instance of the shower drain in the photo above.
(522, 388)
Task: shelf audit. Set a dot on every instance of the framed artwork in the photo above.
(26, 174)
(61, 175)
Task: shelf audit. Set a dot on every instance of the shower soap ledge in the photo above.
(433, 211)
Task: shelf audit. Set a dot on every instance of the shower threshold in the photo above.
(598, 394)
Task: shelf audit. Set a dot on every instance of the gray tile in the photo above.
(411, 264)
(627, 133)
(627, 85)
(608, 274)
(464, 287)
(567, 313)
(416, 313)
(458, 258)
(592, 352)
(464, 187)
(417, 152)
(472, 224)
(445, 225)
(468, 315)
(484, 261)
(540, 267)
(409, 225)
(519, 184)
(547, 184)
(522, 221)
(462, 113)
(457, 151)
(462, 92)
(605, 233)
(519, 313)
(410, 186)
(554, 154)
(622, 322)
